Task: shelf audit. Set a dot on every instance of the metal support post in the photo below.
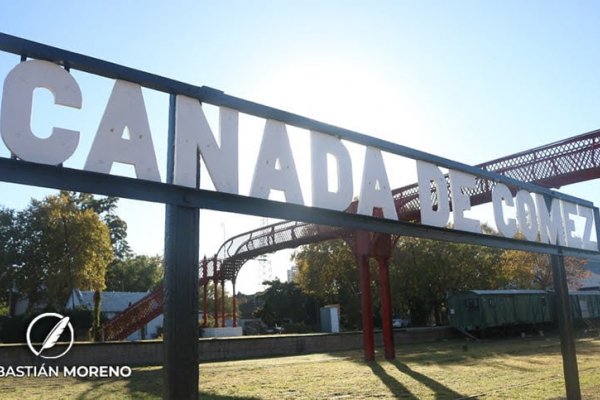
(366, 305)
(565, 325)
(386, 307)
(223, 303)
(205, 292)
(181, 303)
(216, 294)
(180, 346)
(361, 250)
(234, 305)
(382, 251)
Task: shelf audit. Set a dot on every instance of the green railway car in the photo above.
(477, 310)
(585, 304)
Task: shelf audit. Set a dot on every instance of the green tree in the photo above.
(285, 301)
(247, 305)
(60, 246)
(106, 208)
(95, 328)
(135, 274)
(534, 271)
(8, 254)
(423, 272)
(329, 272)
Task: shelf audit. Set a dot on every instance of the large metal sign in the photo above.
(544, 218)
(548, 221)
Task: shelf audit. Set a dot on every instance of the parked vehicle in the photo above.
(400, 322)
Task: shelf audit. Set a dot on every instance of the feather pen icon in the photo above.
(54, 335)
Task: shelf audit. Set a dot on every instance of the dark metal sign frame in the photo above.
(183, 203)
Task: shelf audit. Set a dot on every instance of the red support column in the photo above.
(205, 292)
(234, 305)
(216, 280)
(386, 307)
(223, 303)
(382, 251)
(361, 250)
(366, 305)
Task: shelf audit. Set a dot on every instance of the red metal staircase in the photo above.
(135, 316)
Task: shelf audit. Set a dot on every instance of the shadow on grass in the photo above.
(208, 396)
(398, 389)
(460, 351)
(441, 391)
(142, 384)
(401, 392)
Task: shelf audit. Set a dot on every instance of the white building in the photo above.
(292, 273)
(113, 303)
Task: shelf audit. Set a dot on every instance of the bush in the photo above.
(3, 310)
(13, 330)
(81, 319)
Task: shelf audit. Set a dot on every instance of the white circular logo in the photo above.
(52, 336)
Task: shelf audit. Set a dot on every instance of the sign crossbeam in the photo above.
(23, 172)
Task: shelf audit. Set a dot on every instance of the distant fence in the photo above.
(217, 349)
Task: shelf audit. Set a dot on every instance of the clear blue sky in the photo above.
(467, 80)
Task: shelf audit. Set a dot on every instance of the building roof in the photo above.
(507, 291)
(586, 292)
(529, 291)
(112, 302)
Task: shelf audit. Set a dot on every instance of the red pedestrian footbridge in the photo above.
(553, 165)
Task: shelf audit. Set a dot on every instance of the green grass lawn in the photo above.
(501, 369)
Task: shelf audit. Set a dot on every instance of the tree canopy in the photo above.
(70, 240)
(55, 245)
(422, 273)
(106, 208)
(285, 302)
(8, 251)
(136, 273)
(328, 271)
(533, 270)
